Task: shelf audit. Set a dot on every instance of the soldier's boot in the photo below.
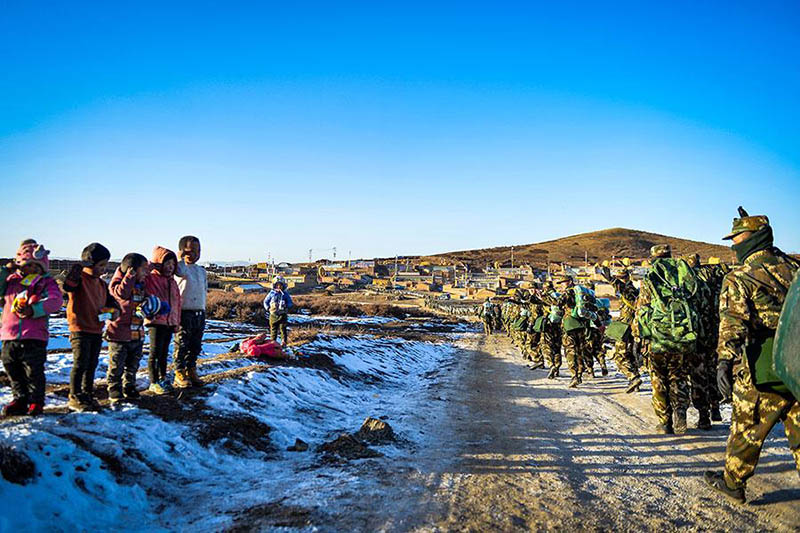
(716, 480)
(537, 364)
(634, 385)
(704, 422)
(604, 370)
(664, 429)
(553, 373)
(679, 422)
(716, 416)
(574, 383)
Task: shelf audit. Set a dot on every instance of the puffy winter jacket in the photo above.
(129, 295)
(43, 295)
(164, 288)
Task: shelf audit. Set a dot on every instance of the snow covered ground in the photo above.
(133, 470)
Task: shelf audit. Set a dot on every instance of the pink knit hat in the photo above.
(31, 252)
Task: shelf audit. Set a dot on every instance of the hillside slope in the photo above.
(597, 245)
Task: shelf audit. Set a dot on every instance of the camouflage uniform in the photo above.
(623, 353)
(550, 342)
(702, 377)
(595, 339)
(574, 342)
(519, 329)
(712, 276)
(750, 305)
(669, 376)
(535, 337)
(487, 317)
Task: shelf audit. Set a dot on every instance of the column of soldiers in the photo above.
(700, 330)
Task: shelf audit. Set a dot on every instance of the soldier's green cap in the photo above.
(747, 223)
(692, 259)
(661, 250)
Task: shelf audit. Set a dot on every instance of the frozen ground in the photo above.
(135, 469)
(484, 444)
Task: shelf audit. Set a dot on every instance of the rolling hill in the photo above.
(596, 246)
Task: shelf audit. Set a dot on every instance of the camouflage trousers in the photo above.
(574, 343)
(550, 344)
(754, 415)
(625, 359)
(711, 368)
(520, 340)
(487, 327)
(701, 382)
(534, 340)
(595, 349)
(670, 382)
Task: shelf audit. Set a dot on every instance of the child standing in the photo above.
(193, 286)
(125, 334)
(30, 294)
(277, 304)
(161, 284)
(88, 295)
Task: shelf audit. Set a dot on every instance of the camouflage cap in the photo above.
(661, 250)
(693, 260)
(748, 223)
(622, 274)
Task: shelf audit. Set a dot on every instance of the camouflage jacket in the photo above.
(750, 302)
(628, 294)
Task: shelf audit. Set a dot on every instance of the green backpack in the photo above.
(671, 322)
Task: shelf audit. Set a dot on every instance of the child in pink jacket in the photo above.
(161, 284)
(29, 295)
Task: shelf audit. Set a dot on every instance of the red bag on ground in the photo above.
(261, 346)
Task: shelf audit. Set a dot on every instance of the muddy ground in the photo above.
(513, 451)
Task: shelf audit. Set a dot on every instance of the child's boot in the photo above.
(16, 407)
(195, 379)
(181, 380)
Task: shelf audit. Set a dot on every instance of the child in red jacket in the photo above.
(125, 334)
(161, 284)
(88, 308)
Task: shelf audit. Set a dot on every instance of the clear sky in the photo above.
(393, 130)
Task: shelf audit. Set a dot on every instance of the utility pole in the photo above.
(334, 253)
(512, 257)
(310, 251)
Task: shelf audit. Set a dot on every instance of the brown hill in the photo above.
(597, 245)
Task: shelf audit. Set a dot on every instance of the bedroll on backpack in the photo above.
(671, 322)
(585, 303)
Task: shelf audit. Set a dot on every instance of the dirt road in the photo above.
(519, 452)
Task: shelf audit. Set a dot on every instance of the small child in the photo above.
(29, 294)
(193, 286)
(89, 302)
(161, 284)
(125, 334)
(277, 304)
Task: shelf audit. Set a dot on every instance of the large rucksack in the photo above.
(786, 351)
(671, 321)
(585, 303)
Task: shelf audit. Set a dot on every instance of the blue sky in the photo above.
(387, 130)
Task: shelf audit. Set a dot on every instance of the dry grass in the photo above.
(248, 308)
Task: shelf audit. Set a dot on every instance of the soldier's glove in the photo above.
(725, 379)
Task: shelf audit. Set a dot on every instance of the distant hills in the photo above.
(597, 245)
